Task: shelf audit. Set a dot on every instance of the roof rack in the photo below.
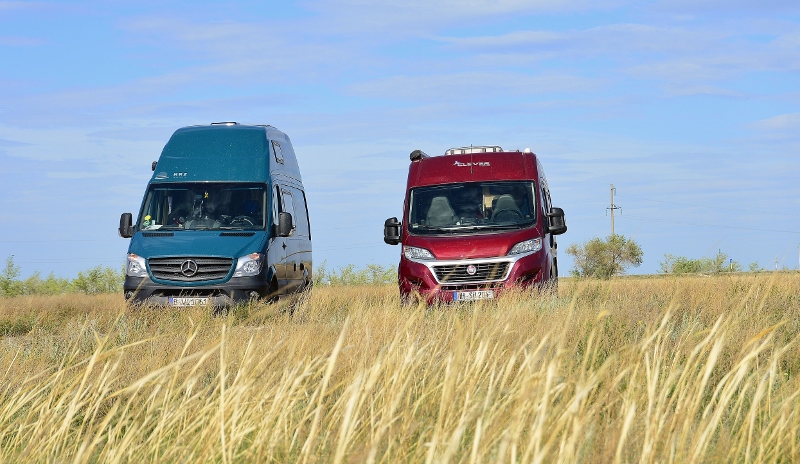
(474, 149)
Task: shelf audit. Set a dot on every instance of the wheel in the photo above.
(272, 296)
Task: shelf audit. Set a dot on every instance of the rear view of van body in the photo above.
(223, 220)
(476, 221)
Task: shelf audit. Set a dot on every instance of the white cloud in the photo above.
(790, 121)
(690, 58)
(686, 89)
(471, 86)
(449, 11)
(11, 143)
(20, 42)
(269, 49)
(17, 5)
(726, 7)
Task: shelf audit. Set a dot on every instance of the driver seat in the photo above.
(440, 213)
(505, 203)
(252, 208)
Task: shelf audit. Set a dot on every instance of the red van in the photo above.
(475, 221)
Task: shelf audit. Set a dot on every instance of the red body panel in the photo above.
(525, 270)
(438, 170)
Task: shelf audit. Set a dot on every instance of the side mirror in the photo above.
(391, 231)
(125, 227)
(557, 223)
(285, 224)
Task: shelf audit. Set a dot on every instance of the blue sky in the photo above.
(691, 108)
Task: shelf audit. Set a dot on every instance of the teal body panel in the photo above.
(187, 243)
(223, 153)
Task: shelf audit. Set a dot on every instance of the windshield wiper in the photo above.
(498, 226)
(436, 229)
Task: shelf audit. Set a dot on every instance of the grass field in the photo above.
(688, 369)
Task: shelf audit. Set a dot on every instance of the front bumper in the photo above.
(418, 277)
(142, 290)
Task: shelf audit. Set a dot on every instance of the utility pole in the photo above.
(612, 207)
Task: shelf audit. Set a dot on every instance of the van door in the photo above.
(278, 245)
(549, 239)
(292, 265)
(302, 238)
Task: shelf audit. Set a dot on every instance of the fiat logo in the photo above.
(189, 268)
(471, 269)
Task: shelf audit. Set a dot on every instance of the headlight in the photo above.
(249, 265)
(528, 246)
(415, 253)
(136, 266)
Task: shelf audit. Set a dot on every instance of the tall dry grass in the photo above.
(684, 369)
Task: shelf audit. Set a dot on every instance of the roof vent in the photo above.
(225, 123)
(473, 149)
(527, 150)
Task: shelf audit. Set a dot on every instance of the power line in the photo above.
(738, 210)
(641, 218)
(52, 241)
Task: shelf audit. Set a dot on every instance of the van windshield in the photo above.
(195, 206)
(474, 206)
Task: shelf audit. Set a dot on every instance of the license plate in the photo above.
(471, 296)
(185, 301)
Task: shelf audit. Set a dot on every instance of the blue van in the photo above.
(224, 220)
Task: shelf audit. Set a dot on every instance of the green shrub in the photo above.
(99, 279)
(9, 285)
(682, 265)
(372, 274)
(605, 258)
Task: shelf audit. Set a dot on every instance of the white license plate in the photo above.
(180, 301)
(476, 295)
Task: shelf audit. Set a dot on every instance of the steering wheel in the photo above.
(507, 215)
(246, 220)
(175, 217)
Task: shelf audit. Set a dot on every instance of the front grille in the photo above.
(207, 269)
(457, 273)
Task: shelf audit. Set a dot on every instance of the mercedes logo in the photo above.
(471, 269)
(189, 268)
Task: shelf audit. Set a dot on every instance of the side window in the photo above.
(276, 150)
(276, 203)
(545, 205)
(301, 209)
(545, 201)
(287, 206)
